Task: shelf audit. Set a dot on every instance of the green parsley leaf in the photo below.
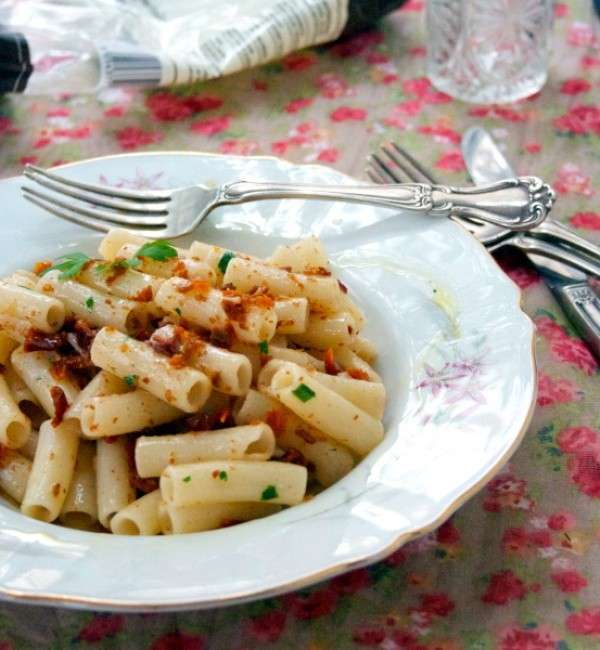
(303, 392)
(178, 311)
(263, 346)
(160, 251)
(186, 479)
(224, 261)
(70, 265)
(223, 475)
(89, 303)
(131, 380)
(270, 492)
(108, 267)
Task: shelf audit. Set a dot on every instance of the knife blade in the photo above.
(485, 164)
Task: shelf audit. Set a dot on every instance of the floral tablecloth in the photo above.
(516, 568)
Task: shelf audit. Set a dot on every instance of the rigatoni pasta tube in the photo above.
(35, 369)
(14, 426)
(18, 388)
(22, 278)
(239, 480)
(229, 372)
(154, 453)
(182, 266)
(368, 396)
(292, 315)
(14, 474)
(139, 517)
(16, 328)
(95, 307)
(185, 388)
(102, 384)
(117, 237)
(350, 361)
(326, 410)
(112, 479)
(324, 332)
(114, 415)
(80, 508)
(209, 516)
(43, 312)
(322, 292)
(52, 470)
(363, 348)
(305, 255)
(125, 283)
(331, 460)
(215, 311)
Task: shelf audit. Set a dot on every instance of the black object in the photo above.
(597, 6)
(15, 62)
(362, 14)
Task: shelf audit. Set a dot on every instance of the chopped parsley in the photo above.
(89, 303)
(186, 479)
(303, 392)
(70, 265)
(160, 251)
(223, 475)
(131, 380)
(224, 261)
(263, 346)
(270, 492)
(178, 311)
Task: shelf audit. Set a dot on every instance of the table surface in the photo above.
(517, 567)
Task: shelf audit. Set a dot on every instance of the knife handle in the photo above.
(582, 307)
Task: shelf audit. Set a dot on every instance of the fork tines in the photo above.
(388, 165)
(96, 206)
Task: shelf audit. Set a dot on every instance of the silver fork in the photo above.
(393, 164)
(519, 203)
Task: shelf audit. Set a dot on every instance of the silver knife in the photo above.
(486, 163)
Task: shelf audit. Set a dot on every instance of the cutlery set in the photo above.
(500, 209)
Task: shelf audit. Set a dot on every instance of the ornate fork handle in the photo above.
(519, 204)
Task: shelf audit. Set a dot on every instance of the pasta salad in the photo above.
(159, 390)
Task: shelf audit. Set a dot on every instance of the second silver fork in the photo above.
(393, 164)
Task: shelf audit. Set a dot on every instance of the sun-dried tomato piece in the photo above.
(59, 400)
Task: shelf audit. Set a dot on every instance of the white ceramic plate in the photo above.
(456, 358)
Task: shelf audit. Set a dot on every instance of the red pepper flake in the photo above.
(316, 270)
(180, 270)
(177, 361)
(331, 367)
(342, 286)
(223, 415)
(40, 267)
(357, 373)
(308, 438)
(215, 473)
(199, 288)
(143, 295)
(276, 420)
(59, 400)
